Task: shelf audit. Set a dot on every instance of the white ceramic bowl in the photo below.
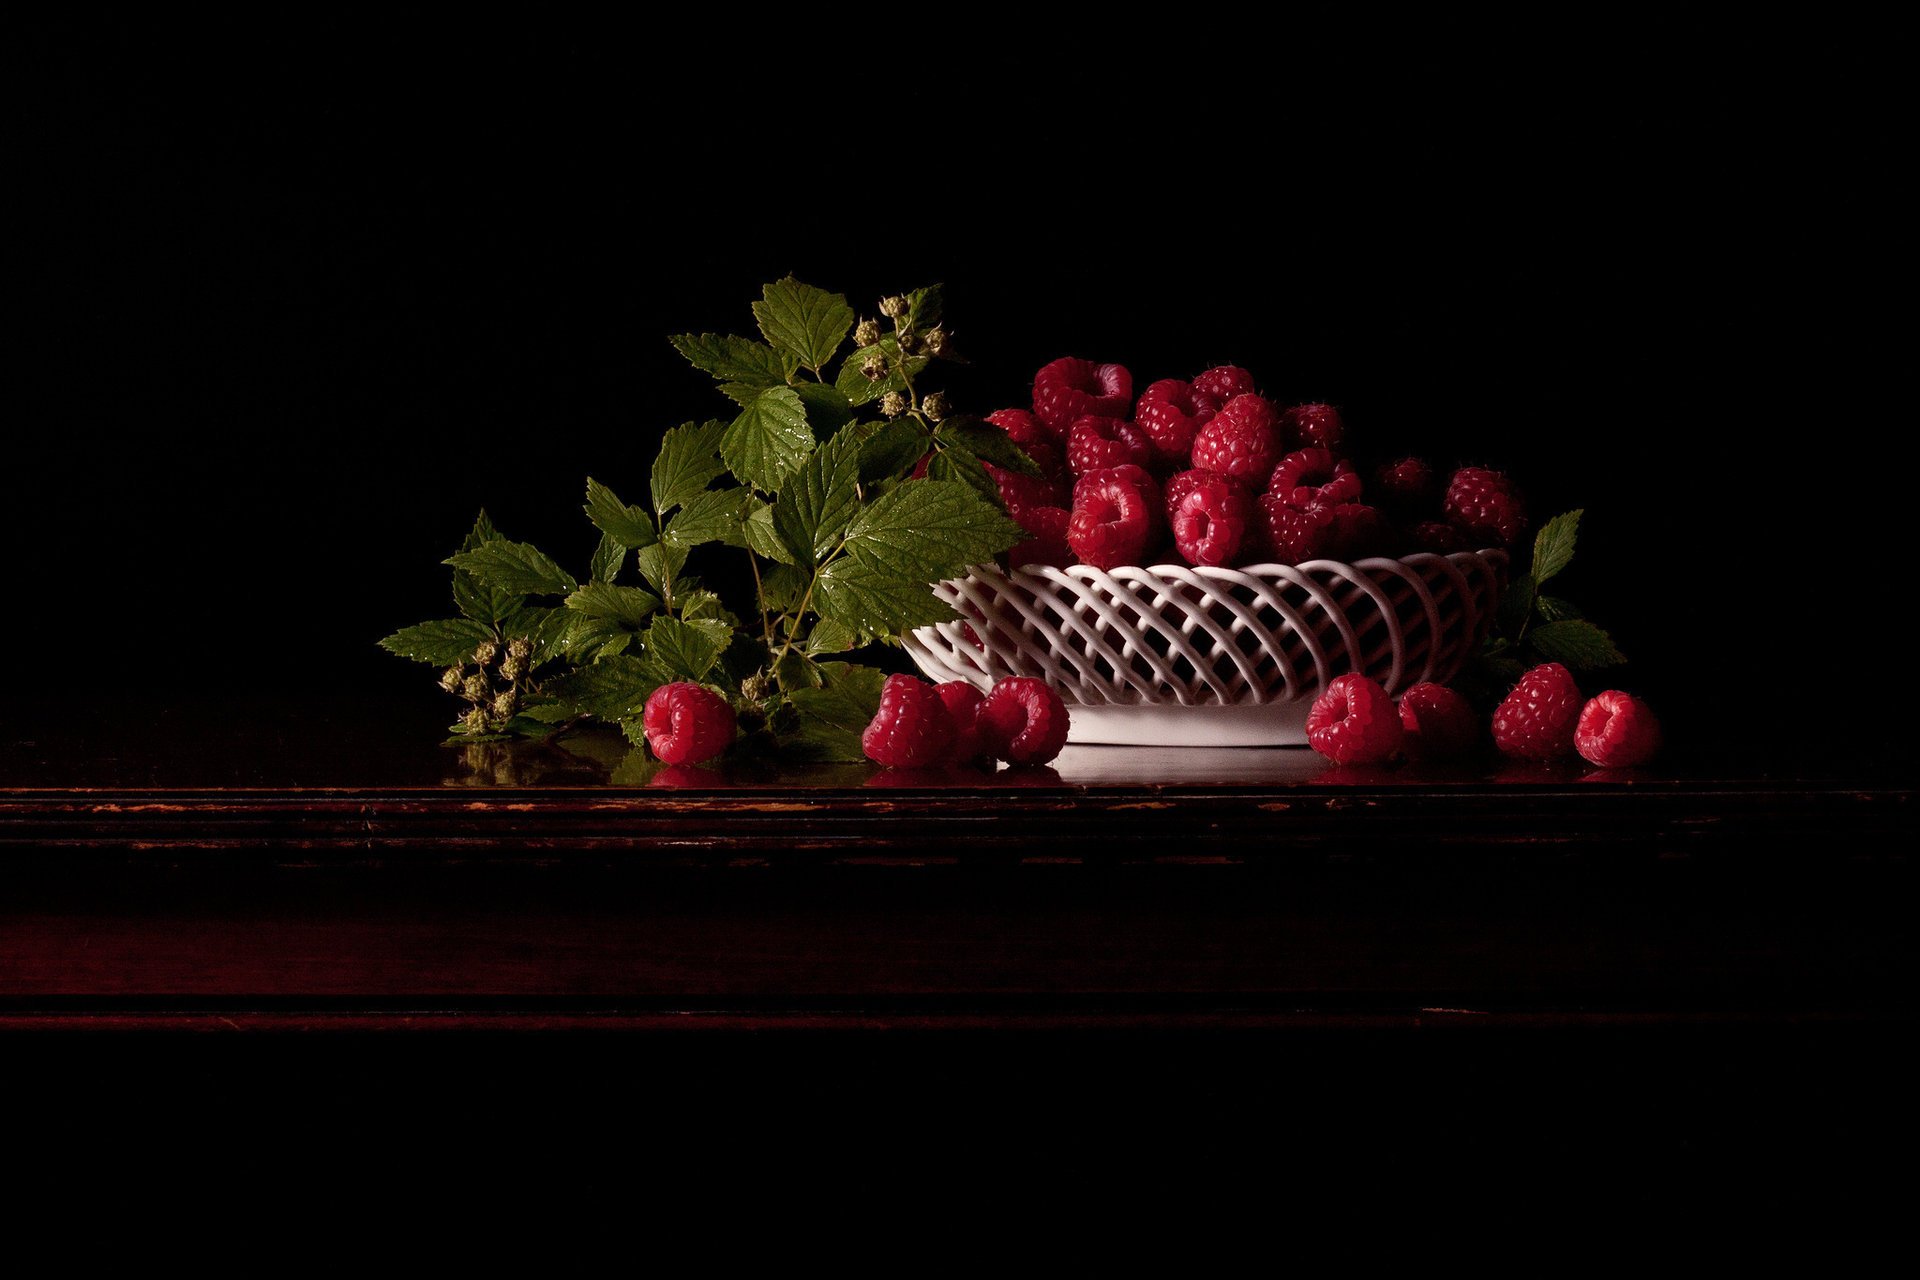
(1173, 655)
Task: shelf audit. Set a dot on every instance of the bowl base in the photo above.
(1265, 724)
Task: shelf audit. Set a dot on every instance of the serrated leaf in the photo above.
(514, 566)
(923, 307)
(1553, 545)
(731, 359)
(892, 450)
(828, 408)
(550, 712)
(608, 557)
(443, 643)
(811, 323)
(958, 466)
(545, 625)
(688, 461)
(705, 605)
(589, 638)
(987, 442)
(783, 586)
(831, 718)
(611, 688)
(829, 636)
(870, 601)
(474, 598)
(710, 516)
(1554, 609)
(768, 440)
(929, 529)
(762, 537)
(1581, 646)
(820, 500)
(859, 389)
(680, 650)
(629, 526)
(629, 605)
(661, 563)
(482, 531)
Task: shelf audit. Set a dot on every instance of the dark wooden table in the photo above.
(1217, 920)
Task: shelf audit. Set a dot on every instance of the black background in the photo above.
(298, 301)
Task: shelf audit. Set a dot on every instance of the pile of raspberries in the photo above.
(1216, 469)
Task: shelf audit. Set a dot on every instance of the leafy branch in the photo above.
(1532, 627)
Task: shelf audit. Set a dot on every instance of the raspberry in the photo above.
(1019, 492)
(1223, 383)
(1313, 426)
(1182, 483)
(1353, 721)
(912, 728)
(1359, 531)
(1126, 473)
(1296, 535)
(1069, 389)
(1314, 476)
(686, 723)
(1617, 731)
(1023, 721)
(962, 702)
(1210, 524)
(1439, 537)
(1405, 486)
(1111, 525)
(1033, 438)
(1093, 443)
(1239, 441)
(1536, 721)
(1170, 414)
(1048, 541)
(1440, 724)
(1484, 505)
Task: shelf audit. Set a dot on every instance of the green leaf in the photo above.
(829, 636)
(768, 440)
(630, 605)
(870, 601)
(811, 323)
(688, 461)
(985, 441)
(828, 408)
(959, 466)
(443, 643)
(550, 712)
(783, 586)
(710, 516)
(859, 389)
(923, 307)
(699, 605)
(760, 535)
(608, 557)
(928, 530)
(661, 563)
(629, 526)
(1516, 605)
(545, 625)
(514, 566)
(831, 719)
(611, 688)
(1580, 645)
(678, 650)
(1554, 609)
(730, 359)
(892, 450)
(474, 598)
(820, 500)
(1553, 545)
(589, 638)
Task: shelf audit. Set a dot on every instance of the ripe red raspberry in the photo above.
(1406, 485)
(1210, 524)
(1182, 483)
(1223, 383)
(686, 723)
(1296, 535)
(1313, 426)
(1312, 476)
(1617, 731)
(1019, 492)
(1359, 531)
(1440, 538)
(1093, 443)
(1023, 721)
(1239, 441)
(1033, 438)
(912, 728)
(1111, 525)
(1069, 389)
(1485, 506)
(1536, 721)
(1047, 540)
(1170, 413)
(1127, 473)
(963, 702)
(1353, 721)
(1440, 724)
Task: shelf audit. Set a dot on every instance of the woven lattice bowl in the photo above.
(1170, 655)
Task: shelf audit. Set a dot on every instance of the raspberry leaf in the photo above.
(514, 566)
(629, 605)
(474, 598)
(758, 533)
(930, 529)
(712, 515)
(660, 565)
(960, 466)
(608, 557)
(1580, 645)
(820, 500)
(810, 323)
(893, 449)
(870, 601)
(629, 526)
(830, 719)
(1554, 609)
(1553, 545)
(828, 408)
(613, 687)
(687, 462)
(769, 439)
(859, 389)
(443, 643)
(677, 650)
(736, 360)
(988, 443)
